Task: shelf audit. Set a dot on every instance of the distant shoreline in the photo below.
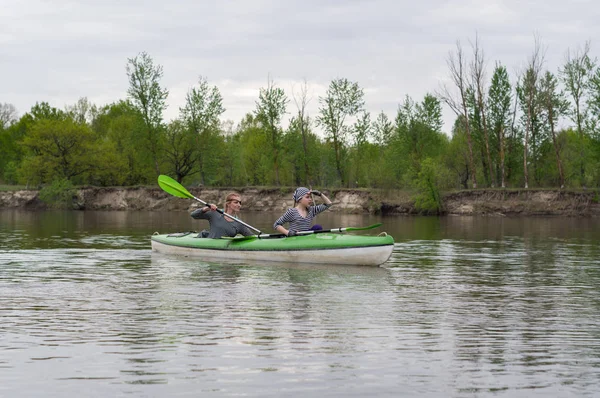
(492, 202)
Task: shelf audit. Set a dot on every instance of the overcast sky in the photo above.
(59, 51)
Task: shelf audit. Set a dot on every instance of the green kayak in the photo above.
(318, 248)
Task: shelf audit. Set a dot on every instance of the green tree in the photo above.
(554, 105)
(429, 112)
(593, 103)
(300, 156)
(383, 129)
(480, 107)
(362, 131)
(14, 152)
(458, 102)
(528, 93)
(200, 115)
(43, 111)
(149, 98)
(343, 99)
(57, 149)
(415, 138)
(499, 107)
(8, 115)
(456, 158)
(270, 108)
(233, 158)
(302, 124)
(430, 181)
(83, 111)
(257, 166)
(180, 151)
(119, 128)
(575, 75)
(59, 194)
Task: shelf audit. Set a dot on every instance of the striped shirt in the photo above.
(296, 221)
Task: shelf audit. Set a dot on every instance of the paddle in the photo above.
(320, 231)
(171, 186)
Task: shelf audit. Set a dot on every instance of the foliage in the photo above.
(499, 117)
(192, 144)
(128, 142)
(57, 149)
(119, 129)
(149, 98)
(429, 184)
(270, 108)
(343, 99)
(415, 138)
(302, 149)
(59, 194)
(8, 115)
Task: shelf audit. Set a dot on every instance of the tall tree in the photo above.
(529, 98)
(270, 108)
(594, 103)
(83, 111)
(343, 99)
(382, 130)
(361, 130)
(201, 116)
(58, 149)
(8, 115)
(499, 100)
(458, 103)
(457, 156)
(121, 124)
(575, 75)
(301, 149)
(257, 165)
(478, 82)
(303, 124)
(180, 150)
(43, 110)
(149, 98)
(429, 112)
(554, 105)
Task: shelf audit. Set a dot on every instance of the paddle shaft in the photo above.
(320, 231)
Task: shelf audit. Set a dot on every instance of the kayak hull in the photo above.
(325, 248)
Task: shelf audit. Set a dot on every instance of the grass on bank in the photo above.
(10, 188)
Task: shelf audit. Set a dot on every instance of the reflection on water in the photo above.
(465, 307)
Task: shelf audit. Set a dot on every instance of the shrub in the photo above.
(429, 182)
(59, 194)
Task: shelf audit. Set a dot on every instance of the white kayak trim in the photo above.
(369, 256)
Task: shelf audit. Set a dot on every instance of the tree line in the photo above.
(506, 133)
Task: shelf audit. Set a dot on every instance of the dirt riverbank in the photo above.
(514, 202)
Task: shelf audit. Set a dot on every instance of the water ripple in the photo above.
(494, 317)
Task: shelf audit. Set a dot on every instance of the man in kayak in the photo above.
(220, 224)
(301, 216)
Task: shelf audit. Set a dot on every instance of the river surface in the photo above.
(466, 307)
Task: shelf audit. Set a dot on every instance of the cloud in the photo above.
(59, 51)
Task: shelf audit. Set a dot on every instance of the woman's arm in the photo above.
(281, 230)
(201, 212)
(322, 195)
(287, 217)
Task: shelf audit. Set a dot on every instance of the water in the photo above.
(466, 307)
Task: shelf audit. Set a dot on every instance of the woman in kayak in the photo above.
(221, 225)
(300, 217)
